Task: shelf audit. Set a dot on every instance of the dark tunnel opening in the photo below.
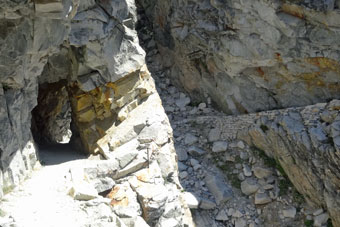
(52, 127)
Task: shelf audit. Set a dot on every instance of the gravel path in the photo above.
(42, 200)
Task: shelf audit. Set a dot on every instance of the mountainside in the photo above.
(246, 97)
(250, 56)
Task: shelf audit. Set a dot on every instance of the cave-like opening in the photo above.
(51, 125)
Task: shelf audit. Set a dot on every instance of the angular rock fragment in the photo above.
(262, 198)
(249, 186)
(217, 186)
(219, 146)
(191, 199)
(83, 191)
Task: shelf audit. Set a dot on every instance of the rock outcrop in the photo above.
(250, 56)
(303, 141)
(72, 71)
(85, 58)
(306, 143)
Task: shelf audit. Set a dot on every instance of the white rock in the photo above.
(83, 191)
(219, 146)
(169, 222)
(289, 213)
(221, 191)
(202, 106)
(103, 184)
(240, 145)
(137, 221)
(231, 211)
(191, 200)
(247, 171)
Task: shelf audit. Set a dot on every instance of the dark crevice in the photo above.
(52, 126)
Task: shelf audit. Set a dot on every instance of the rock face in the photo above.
(85, 58)
(304, 141)
(250, 55)
(306, 144)
(77, 67)
(49, 41)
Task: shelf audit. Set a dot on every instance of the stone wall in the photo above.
(250, 56)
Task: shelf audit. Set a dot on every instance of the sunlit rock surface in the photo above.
(250, 56)
(80, 64)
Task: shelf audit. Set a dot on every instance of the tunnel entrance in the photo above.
(51, 118)
(52, 127)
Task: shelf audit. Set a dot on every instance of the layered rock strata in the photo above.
(250, 56)
(304, 141)
(85, 58)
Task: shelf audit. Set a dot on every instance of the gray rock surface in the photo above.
(250, 55)
(289, 212)
(262, 198)
(219, 146)
(249, 186)
(242, 56)
(81, 61)
(218, 187)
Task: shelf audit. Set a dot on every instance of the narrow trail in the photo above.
(42, 199)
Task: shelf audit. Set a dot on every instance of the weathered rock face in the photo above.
(305, 143)
(250, 55)
(86, 60)
(29, 34)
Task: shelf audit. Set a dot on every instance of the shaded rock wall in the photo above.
(250, 56)
(51, 118)
(29, 34)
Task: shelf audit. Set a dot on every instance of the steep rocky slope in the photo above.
(250, 55)
(73, 71)
(77, 67)
(256, 157)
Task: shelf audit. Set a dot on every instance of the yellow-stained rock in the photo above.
(87, 116)
(83, 102)
(126, 84)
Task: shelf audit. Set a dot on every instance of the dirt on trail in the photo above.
(43, 200)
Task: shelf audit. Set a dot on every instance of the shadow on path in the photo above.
(58, 153)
